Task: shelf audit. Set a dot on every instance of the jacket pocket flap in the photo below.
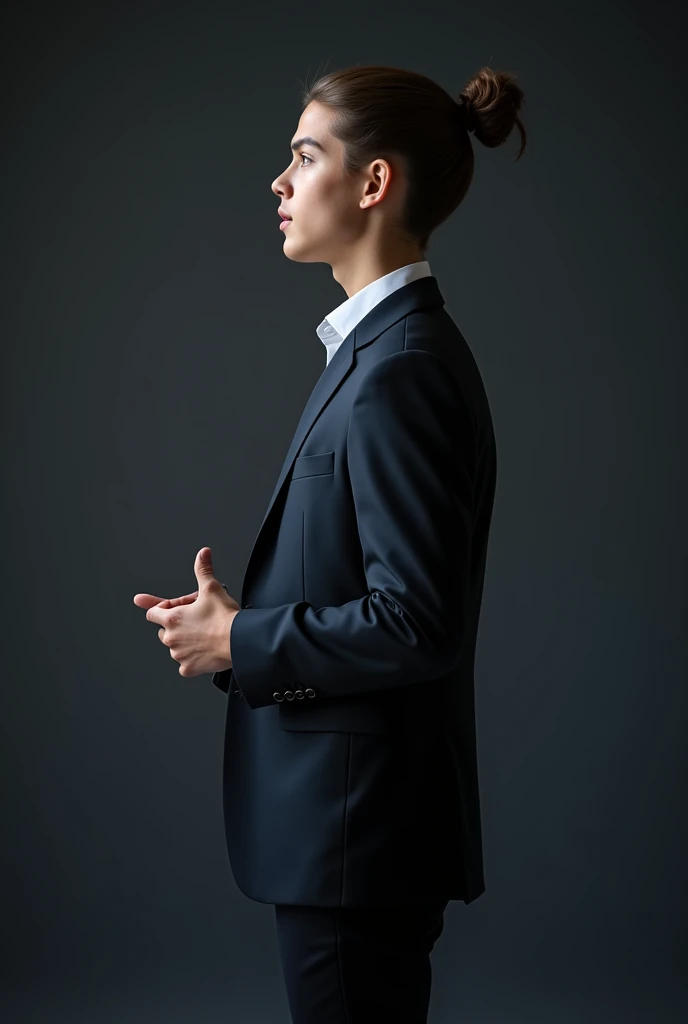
(313, 465)
(331, 716)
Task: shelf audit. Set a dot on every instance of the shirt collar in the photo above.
(342, 320)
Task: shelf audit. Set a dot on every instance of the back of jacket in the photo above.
(350, 772)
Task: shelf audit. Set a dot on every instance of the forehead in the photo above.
(314, 123)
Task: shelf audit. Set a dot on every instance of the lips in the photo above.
(284, 216)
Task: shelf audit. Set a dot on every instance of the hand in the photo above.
(197, 635)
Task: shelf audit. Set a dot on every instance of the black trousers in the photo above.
(351, 966)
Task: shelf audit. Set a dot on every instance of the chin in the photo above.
(293, 252)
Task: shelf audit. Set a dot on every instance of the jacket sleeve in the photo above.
(411, 458)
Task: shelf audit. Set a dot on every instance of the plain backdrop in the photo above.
(158, 349)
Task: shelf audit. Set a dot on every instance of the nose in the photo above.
(280, 185)
(277, 187)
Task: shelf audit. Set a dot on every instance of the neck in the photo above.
(357, 270)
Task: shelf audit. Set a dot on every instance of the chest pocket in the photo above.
(313, 465)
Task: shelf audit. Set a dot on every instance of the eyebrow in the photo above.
(306, 140)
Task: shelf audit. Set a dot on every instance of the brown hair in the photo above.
(389, 112)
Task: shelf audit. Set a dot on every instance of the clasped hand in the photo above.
(196, 627)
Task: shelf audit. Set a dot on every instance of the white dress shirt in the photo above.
(342, 320)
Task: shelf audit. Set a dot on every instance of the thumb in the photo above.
(203, 567)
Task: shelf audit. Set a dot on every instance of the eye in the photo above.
(305, 157)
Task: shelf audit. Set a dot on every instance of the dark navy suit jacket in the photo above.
(350, 769)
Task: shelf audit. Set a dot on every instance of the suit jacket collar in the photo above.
(338, 324)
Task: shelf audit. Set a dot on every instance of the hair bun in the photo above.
(490, 102)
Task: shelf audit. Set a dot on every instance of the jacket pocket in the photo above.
(340, 716)
(313, 465)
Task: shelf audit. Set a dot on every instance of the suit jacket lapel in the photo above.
(417, 294)
(332, 376)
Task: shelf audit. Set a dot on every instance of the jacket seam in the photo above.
(346, 807)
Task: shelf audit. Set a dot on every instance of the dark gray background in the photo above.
(158, 351)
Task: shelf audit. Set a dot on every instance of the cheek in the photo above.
(326, 211)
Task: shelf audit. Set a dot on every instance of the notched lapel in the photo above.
(413, 296)
(329, 380)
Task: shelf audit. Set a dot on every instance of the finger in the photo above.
(150, 600)
(157, 613)
(147, 600)
(187, 599)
